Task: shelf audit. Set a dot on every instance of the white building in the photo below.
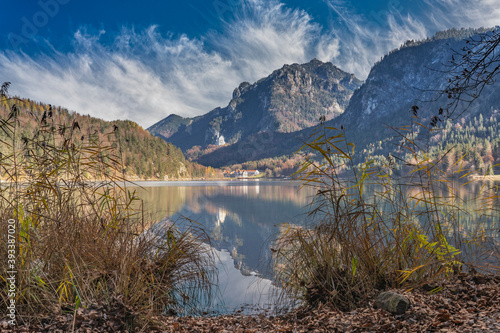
(253, 173)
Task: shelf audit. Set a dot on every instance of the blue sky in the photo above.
(143, 60)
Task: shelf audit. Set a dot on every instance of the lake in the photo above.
(242, 218)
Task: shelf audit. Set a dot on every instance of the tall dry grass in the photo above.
(81, 235)
(374, 228)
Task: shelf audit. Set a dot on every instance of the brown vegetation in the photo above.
(373, 228)
(80, 242)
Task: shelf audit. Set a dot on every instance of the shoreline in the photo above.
(210, 179)
(173, 180)
(467, 303)
(484, 178)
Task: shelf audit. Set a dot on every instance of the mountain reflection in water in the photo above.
(241, 217)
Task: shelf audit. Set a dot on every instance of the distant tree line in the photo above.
(143, 156)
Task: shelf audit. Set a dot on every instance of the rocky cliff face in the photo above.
(290, 99)
(410, 76)
(413, 75)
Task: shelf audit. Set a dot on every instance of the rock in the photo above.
(392, 302)
(236, 93)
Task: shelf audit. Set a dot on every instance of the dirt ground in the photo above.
(467, 304)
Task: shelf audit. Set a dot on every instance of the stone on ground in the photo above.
(392, 302)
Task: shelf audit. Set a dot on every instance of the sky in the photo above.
(144, 60)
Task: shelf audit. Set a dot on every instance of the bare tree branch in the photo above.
(473, 67)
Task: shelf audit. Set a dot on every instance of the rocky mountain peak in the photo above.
(292, 98)
(242, 88)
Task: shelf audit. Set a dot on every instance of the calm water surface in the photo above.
(242, 218)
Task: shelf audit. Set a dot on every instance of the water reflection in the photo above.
(241, 217)
(249, 293)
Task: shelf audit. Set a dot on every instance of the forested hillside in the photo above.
(472, 141)
(143, 156)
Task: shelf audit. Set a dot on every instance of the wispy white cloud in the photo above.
(460, 13)
(142, 77)
(264, 35)
(145, 76)
(364, 39)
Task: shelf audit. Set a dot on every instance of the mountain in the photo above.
(415, 74)
(290, 99)
(411, 75)
(143, 155)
